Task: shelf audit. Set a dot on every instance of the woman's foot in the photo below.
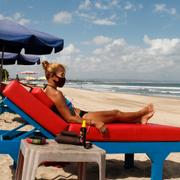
(147, 109)
(146, 117)
(147, 112)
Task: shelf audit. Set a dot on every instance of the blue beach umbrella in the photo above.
(20, 59)
(15, 37)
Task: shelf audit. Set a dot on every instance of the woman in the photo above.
(55, 75)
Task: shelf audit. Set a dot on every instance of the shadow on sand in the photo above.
(115, 170)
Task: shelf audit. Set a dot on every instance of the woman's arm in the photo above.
(60, 103)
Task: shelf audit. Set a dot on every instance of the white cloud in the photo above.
(162, 46)
(85, 5)
(111, 47)
(159, 7)
(128, 6)
(114, 3)
(86, 16)
(97, 20)
(118, 59)
(105, 13)
(98, 5)
(99, 40)
(105, 6)
(70, 50)
(162, 8)
(132, 7)
(102, 5)
(17, 17)
(92, 11)
(106, 22)
(63, 17)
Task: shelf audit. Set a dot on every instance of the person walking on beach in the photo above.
(55, 75)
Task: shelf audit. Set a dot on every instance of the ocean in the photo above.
(162, 89)
(165, 89)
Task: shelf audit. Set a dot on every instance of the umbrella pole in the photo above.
(1, 69)
(2, 57)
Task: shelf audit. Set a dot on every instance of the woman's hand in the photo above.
(101, 127)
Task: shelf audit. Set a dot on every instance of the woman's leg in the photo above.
(100, 118)
(141, 116)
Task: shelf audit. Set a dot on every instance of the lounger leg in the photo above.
(82, 170)
(19, 169)
(129, 161)
(157, 160)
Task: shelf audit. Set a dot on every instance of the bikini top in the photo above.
(70, 106)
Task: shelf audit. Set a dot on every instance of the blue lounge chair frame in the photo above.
(10, 139)
(4, 107)
(156, 151)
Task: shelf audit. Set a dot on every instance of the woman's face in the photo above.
(60, 79)
(60, 72)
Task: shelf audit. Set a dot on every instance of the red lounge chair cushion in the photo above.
(39, 94)
(132, 132)
(34, 108)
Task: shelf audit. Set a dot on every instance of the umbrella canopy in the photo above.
(14, 37)
(13, 58)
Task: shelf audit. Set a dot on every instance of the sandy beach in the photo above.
(167, 113)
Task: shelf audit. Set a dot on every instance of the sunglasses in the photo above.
(60, 75)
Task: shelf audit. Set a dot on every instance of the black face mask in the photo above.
(60, 82)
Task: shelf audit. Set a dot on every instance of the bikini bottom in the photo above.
(82, 113)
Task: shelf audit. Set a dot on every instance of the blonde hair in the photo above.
(51, 68)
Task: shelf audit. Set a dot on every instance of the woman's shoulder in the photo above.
(58, 92)
(53, 93)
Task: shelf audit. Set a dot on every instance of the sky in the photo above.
(105, 39)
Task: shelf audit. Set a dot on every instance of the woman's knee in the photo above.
(116, 113)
